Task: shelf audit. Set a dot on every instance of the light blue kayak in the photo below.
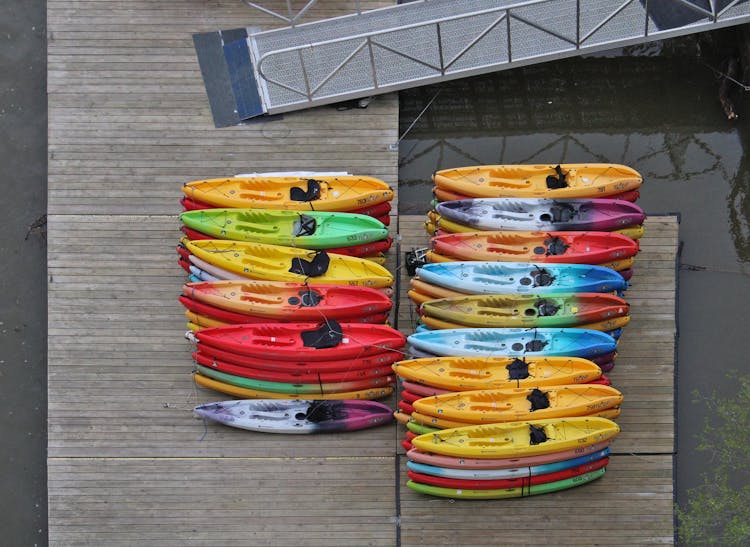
(517, 342)
(511, 473)
(521, 277)
(616, 333)
(201, 275)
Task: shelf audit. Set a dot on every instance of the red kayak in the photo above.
(236, 318)
(409, 396)
(296, 376)
(518, 482)
(406, 408)
(307, 341)
(380, 211)
(383, 359)
(287, 300)
(517, 246)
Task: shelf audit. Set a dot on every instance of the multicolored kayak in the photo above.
(437, 225)
(612, 326)
(571, 180)
(226, 317)
(469, 373)
(512, 464)
(514, 310)
(508, 473)
(517, 404)
(441, 194)
(513, 342)
(277, 300)
(542, 214)
(517, 492)
(321, 193)
(307, 230)
(303, 341)
(279, 263)
(500, 483)
(626, 264)
(296, 416)
(546, 247)
(299, 389)
(476, 277)
(245, 393)
(517, 439)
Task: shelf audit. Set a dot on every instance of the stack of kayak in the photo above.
(502, 427)
(268, 222)
(571, 213)
(288, 299)
(520, 300)
(323, 359)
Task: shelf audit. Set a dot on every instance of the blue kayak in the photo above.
(521, 277)
(616, 333)
(516, 342)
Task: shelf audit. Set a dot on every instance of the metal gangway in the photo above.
(250, 73)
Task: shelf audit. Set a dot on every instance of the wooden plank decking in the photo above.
(128, 464)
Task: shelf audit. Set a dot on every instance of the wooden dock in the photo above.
(127, 463)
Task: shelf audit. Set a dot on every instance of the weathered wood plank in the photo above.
(129, 123)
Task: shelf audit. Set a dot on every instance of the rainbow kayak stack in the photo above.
(520, 299)
(288, 298)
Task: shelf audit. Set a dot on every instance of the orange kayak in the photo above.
(321, 193)
(572, 180)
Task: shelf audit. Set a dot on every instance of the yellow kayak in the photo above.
(422, 292)
(321, 193)
(571, 180)
(197, 322)
(470, 373)
(516, 439)
(515, 404)
(527, 310)
(247, 393)
(277, 263)
(446, 423)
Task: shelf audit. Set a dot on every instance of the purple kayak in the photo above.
(535, 214)
(297, 416)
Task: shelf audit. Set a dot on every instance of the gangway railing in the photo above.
(427, 41)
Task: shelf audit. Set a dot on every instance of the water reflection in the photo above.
(660, 115)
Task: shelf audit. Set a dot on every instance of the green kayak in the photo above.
(517, 492)
(308, 229)
(295, 389)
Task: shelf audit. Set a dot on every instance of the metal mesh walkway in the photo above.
(428, 41)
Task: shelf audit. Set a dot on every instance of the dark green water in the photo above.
(656, 110)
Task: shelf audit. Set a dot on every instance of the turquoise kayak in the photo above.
(478, 277)
(515, 342)
(307, 230)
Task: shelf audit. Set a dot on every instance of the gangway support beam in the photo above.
(428, 41)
